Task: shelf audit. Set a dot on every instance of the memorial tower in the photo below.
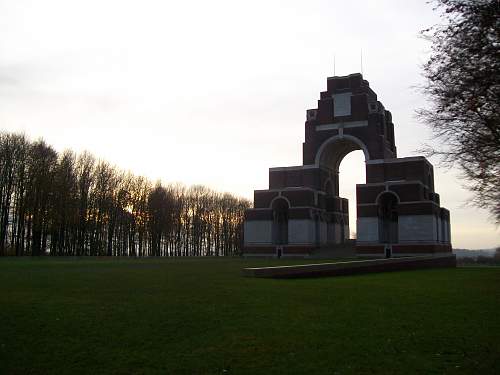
(398, 211)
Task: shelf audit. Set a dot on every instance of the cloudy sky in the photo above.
(214, 92)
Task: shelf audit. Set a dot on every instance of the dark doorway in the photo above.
(280, 221)
(388, 218)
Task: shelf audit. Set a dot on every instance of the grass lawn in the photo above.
(199, 316)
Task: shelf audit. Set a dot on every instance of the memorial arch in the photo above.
(333, 151)
(398, 210)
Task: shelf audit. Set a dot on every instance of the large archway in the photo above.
(352, 171)
(340, 185)
(331, 153)
(337, 147)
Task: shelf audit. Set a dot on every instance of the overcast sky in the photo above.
(214, 92)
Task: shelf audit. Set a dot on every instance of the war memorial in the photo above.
(398, 210)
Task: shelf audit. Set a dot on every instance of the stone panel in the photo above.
(342, 104)
(300, 232)
(367, 229)
(258, 232)
(417, 228)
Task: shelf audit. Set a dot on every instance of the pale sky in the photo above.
(214, 92)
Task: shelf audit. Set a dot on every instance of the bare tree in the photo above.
(463, 85)
(64, 205)
(41, 167)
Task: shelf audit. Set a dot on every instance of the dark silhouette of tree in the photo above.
(19, 207)
(159, 212)
(76, 205)
(84, 176)
(41, 167)
(64, 206)
(12, 189)
(463, 85)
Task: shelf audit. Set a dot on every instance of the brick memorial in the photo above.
(398, 211)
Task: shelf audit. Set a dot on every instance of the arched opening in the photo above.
(388, 218)
(333, 150)
(342, 161)
(352, 171)
(280, 221)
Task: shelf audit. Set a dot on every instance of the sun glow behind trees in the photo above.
(68, 204)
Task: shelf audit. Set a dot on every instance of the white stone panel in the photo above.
(417, 228)
(301, 231)
(342, 104)
(258, 232)
(367, 229)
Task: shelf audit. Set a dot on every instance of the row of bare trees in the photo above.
(68, 204)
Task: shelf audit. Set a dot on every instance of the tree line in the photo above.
(74, 205)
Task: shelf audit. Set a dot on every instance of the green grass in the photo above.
(199, 316)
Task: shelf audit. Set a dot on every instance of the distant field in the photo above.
(199, 316)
